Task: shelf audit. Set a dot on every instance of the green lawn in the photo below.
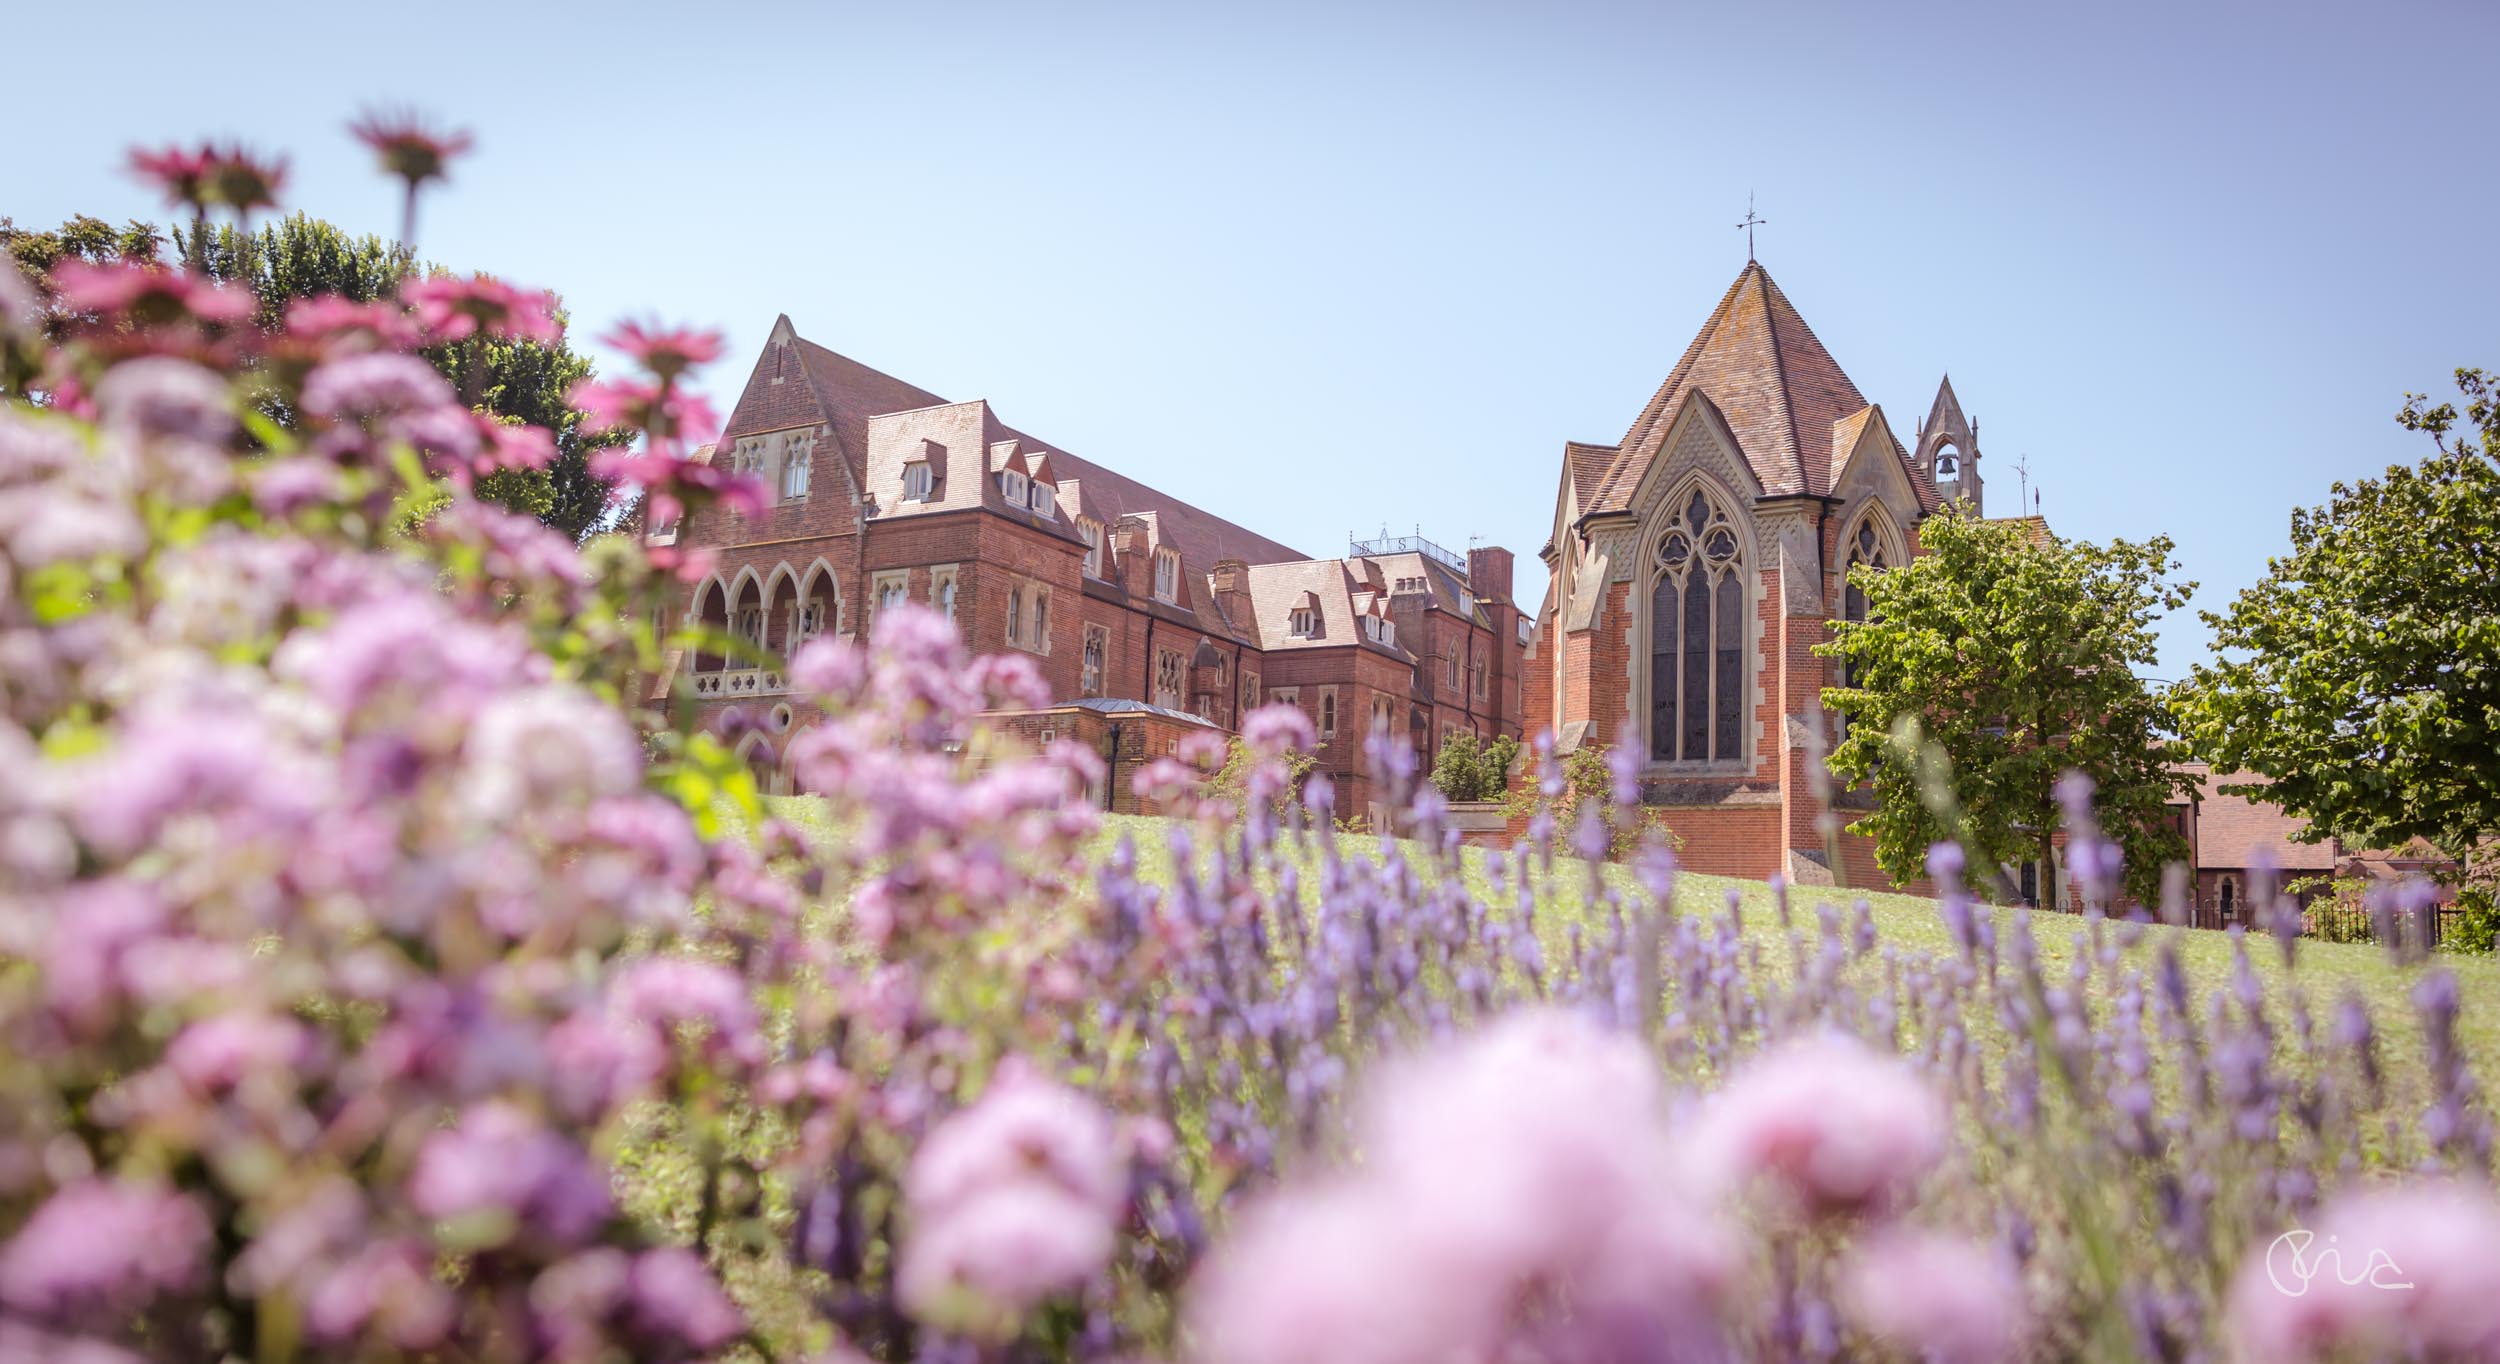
(1910, 922)
(661, 1185)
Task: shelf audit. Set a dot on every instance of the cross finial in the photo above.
(1752, 221)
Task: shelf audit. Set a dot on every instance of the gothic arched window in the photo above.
(1697, 638)
(1865, 547)
(794, 468)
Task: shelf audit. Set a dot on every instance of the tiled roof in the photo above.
(1277, 589)
(852, 393)
(2037, 527)
(2231, 829)
(1761, 366)
(1587, 464)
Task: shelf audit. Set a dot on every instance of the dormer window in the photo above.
(1466, 602)
(1012, 484)
(1305, 624)
(919, 481)
(1092, 531)
(1045, 500)
(1167, 575)
(1380, 630)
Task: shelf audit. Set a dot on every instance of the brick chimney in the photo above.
(1134, 565)
(1230, 581)
(1488, 572)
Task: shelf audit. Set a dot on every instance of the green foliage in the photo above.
(2362, 675)
(302, 257)
(1992, 665)
(92, 240)
(1587, 784)
(1471, 770)
(2476, 929)
(1232, 780)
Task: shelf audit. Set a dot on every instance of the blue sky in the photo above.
(1328, 267)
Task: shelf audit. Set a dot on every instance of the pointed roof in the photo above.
(1768, 376)
(1947, 413)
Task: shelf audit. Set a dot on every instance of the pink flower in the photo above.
(104, 1247)
(1204, 749)
(672, 1294)
(1517, 1198)
(181, 173)
(1011, 681)
(828, 669)
(146, 294)
(382, 384)
(504, 1175)
(451, 308)
(614, 404)
(1834, 1127)
(2401, 1271)
(408, 148)
(666, 992)
(389, 1290)
(1023, 1127)
(331, 318)
(1323, 1273)
(980, 1267)
(283, 487)
(210, 760)
(1012, 1202)
(1164, 781)
(1940, 1298)
(221, 1052)
(665, 351)
(1276, 729)
(213, 175)
(548, 748)
(158, 395)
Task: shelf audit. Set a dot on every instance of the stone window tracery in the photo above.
(1697, 679)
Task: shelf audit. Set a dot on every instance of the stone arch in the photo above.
(760, 761)
(710, 615)
(781, 606)
(820, 588)
(1696, 577)
(746, 611)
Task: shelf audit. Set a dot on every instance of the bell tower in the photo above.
(1948, 449)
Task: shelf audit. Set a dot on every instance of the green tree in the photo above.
(302, 257)
(1467, 769)
(1993, 664)
(2362, 674)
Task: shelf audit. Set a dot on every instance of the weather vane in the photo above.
(1752, 221)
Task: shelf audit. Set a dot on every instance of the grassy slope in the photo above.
(661, 1186)
(1910, 922)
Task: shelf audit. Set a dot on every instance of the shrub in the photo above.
(1467, 769)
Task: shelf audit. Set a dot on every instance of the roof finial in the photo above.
(1752, 221)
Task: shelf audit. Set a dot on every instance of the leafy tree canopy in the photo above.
(1988, 667)
(1467, 769)
(302, 257)
(2362, 674)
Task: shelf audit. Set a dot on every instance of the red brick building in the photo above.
(882, 492)
(1698, 560)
